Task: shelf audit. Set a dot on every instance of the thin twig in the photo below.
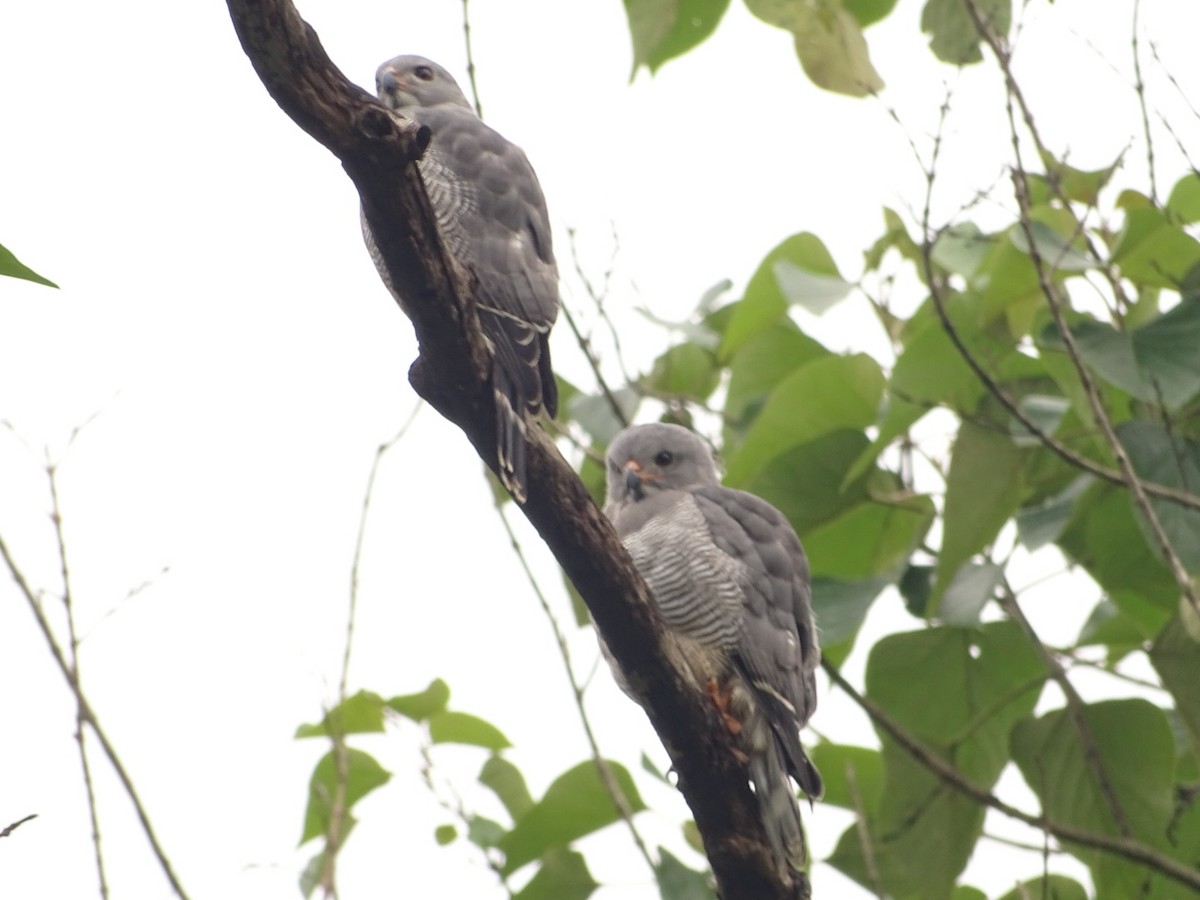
(1099, 413)
(456, 807)
(598, 296)
(935, 283)
(90, 717)
(603, 769)
(1123, 847)
(74, 678)
(9, 829)
(585, 346)
(1075, 708)
(1139, 86)
(470, 58)
(864, 832)
(335, 830)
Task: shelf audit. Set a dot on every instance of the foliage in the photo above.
(14, 268)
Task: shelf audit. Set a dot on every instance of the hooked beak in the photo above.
(392, 90)
(634, 477)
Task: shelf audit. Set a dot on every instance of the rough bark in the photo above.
(377, 151)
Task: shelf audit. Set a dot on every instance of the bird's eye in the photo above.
(664, 458)
(424, 73)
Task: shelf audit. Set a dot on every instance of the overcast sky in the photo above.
(223, 330)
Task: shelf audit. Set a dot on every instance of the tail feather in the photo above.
(524, 385)
(780, 811)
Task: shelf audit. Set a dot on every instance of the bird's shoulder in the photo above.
(746, 526)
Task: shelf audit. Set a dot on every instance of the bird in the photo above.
(731, 581)
(492, 216)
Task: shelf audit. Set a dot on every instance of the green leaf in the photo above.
(445, 834)
(1184, 202)
(868, 12)
(973, 585)
(1158, 360)
(810, 290)
(448, 727)
(1154, 251)
(983, 490)
(871, 539)
(1055, 251)
(953, 37)
(1046, 411)
(764, 301)
(421, 706)
(962, 248)
(310, 875)
(14, 268)
(840, 607)
(959, 691)
(1175, 656)
(685, 370)
(1051, 887)
(1110, 627)
(853, 775)
(758, 366)
(966, 892)
(1104, 537)
(1173, 461)
(563, 875)
(677, 882)
(1043, 523)
(806, 482)
(595, 413)
(1077, 184)
(576, 804)
(664, 29)
(361, 713)
(484, 832)
(829, 42)
(916, 587)
(1133, 744)
(507, 782)
(826, 395)
(363, 775)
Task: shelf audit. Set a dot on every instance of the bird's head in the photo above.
(408, 82)
(647, 459)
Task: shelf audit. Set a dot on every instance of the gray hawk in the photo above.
(731, 581)
(492, 216)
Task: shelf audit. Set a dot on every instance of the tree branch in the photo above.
(1124, 847)
(376, 148)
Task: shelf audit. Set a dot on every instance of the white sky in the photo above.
(221, 317)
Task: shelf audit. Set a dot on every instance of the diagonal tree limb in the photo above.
(377, 149)
(1126, 848)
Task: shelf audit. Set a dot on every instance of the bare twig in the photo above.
(603, 769)
(936, 285)
(1075, 708)
(90, 718)
(862, 826)
(74, 677)
(9, 829)
(68, 664)
(1099, 414)
(1123, 847)
(335, 830)
(466, 17)
(1139, 86)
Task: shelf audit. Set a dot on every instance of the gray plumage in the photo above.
(731, 581)
(492, 216)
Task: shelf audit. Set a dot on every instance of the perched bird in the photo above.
(492, 216)
(731, 581)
